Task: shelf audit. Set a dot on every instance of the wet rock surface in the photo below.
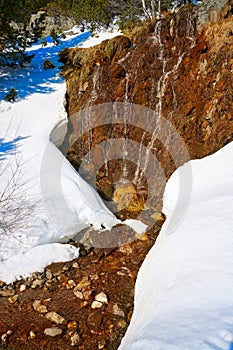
(62, 311)
(181, 73)
(181, 69)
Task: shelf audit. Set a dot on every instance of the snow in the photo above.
(46, 253)
(184, 289)
(64, 202)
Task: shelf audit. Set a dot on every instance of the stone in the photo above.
(84, 283)
(115, 310)
(48, 274)
(48, 64)
(53, 331)
(65, 268)
(75, 265)
(46, 301)
(37, 283)
(48, 284)
(83, 87)
(142, 237)
(61, 278)
(84, 303)
(101, 344)
(72, 325)
(122, 324)
(22, 287)
(39, 307)
(127, 198)
(75, 339)
(32, 335)
(78, 294)
(13, 299)
(102, 297)
(96, 305)
(55, 317)
(10, 287)
(6, 293)
(70, 284)
(157, 216)
(87, 294)
(4, 337)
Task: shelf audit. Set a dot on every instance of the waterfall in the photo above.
(168, 75)
(105, 139)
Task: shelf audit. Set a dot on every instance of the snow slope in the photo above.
(65, 203)
(184, 290)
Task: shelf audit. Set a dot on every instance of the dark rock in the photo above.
(173, 68)
(117, 71)
(48, 64)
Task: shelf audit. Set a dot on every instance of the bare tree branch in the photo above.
(15, 205)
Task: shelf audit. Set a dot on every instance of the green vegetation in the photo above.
(17, 33)
(11, 96)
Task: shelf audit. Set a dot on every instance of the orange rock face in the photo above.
(177, 70)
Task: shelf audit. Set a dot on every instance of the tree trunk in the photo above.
(153, 8)
(159, 8)
(144, 8)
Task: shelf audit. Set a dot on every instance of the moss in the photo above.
(141, 29)
(110, 48)
(85, 73)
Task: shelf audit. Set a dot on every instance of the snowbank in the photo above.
(184, 290)
(65, 203)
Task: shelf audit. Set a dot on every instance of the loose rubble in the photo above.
(101, 297)
(53, 331)
(84, 304)
(96, 304)
(39, 307)
(54, 317)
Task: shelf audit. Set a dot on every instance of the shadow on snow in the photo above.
(33, 78)
(9, 147)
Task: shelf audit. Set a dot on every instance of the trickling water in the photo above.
(126, 87)
(125, 131)
(140, 157)
(167, 49)
(94, 93)
(167, 74)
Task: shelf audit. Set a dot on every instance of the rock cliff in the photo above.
(179, 71)
(53, 21)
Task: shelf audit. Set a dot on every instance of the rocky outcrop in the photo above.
(85, 304)
(53, 21)
(180, 70)
(212, 11)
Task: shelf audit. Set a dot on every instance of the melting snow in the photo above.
(184, 290)
(65, 203)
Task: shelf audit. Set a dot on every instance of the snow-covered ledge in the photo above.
(184, 289)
